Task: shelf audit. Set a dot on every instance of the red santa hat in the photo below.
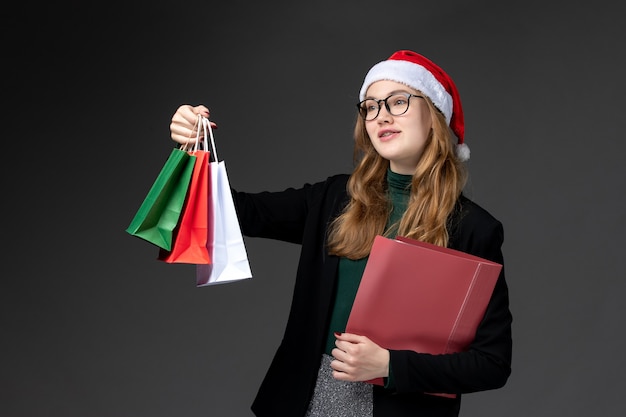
(420, 73)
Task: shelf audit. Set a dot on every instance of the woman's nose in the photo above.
(383, 114)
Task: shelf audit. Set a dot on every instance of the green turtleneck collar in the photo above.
(398, 183)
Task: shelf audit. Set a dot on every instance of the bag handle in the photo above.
(188, 147)
(206, 125)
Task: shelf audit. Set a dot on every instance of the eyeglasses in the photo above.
(396, 105)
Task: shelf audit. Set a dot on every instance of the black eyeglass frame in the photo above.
(362, 111)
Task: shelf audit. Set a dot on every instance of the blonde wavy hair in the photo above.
(436, 185)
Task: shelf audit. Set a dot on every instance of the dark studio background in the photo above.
(93, 325)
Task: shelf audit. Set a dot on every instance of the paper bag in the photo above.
(229, 259)
(160, 211)
(190, 238)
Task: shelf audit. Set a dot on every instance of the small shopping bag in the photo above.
(160, 211)
(190, 237)
(229, 259)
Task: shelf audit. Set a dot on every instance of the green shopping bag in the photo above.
(158, 215)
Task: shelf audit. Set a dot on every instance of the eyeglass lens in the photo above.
(396, 105)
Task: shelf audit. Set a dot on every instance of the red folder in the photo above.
(422, 297)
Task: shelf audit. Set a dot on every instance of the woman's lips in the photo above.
(385, 135)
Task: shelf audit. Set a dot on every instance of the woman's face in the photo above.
(399, 139)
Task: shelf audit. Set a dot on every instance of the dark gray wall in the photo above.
(93, 325)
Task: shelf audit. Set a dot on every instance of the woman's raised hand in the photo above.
(184, 125)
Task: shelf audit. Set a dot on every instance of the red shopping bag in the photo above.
(193, 231)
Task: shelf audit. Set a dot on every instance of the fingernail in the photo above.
(337, 333)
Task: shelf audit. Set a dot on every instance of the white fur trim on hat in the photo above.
(414, 76)
(463, 152)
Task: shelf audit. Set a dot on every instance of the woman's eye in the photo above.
(399, 101)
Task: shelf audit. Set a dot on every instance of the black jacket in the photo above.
(301, 216)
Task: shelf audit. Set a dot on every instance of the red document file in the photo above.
(422, 297)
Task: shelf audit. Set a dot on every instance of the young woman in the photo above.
(408, 181)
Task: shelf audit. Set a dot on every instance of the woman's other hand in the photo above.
(357, 358)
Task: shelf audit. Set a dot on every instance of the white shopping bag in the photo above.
(229, 259)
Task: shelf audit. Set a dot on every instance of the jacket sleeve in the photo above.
(487, 363)
(281, 215)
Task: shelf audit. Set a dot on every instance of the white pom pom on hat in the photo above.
(420, 73)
